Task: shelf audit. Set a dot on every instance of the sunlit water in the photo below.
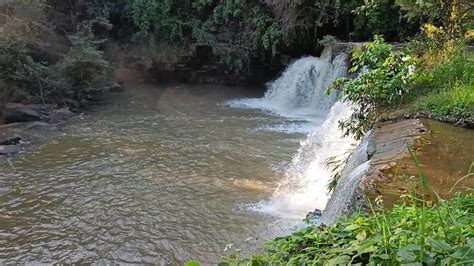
(160, 174)
(301, 93)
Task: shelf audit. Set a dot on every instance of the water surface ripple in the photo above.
(158, 175)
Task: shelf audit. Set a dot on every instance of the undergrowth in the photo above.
(457, 103)
(383, 238)
(447, 89)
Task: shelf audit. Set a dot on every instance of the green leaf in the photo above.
(340, 260)
(351, 227)
(192, 263)
(439, 245)
(405, 255)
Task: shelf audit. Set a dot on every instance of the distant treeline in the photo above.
(51, 49)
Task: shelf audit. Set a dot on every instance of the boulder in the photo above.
(60, 115)
(17, 112)
(14, 140)
(9, 149)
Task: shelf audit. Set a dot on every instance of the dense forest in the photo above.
(51, 50)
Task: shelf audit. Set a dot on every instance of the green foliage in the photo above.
(457, 103)
(445, 89)
(436, 80)
(237, 29)
(144, 13)
(37, 65)
(22, 73)
(381, 17)
(454, 71)
(192, 263)
(83, 63)
(335, 165)
(381, 82)
(382, 238)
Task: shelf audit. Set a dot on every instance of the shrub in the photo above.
(84, 63)
(457, 103)
(38, 65)
(437, 235)
(446, 89)
(381, 82)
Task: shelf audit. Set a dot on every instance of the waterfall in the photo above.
(300, 93)
(304, 186)
(340, 201)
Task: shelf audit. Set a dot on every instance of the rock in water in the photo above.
(17, 112)
(10, 140)
(313, 217)
(9, 149)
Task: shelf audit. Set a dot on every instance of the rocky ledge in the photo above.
(382, 166)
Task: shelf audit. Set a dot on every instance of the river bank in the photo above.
(26, 117)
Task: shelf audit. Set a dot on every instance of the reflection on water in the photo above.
(158, 175)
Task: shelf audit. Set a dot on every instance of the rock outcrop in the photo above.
(17, 112)
(380, 148)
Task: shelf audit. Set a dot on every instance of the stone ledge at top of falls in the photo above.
(382, 165)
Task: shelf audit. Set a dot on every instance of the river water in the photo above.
(160, 174)
(164, 174)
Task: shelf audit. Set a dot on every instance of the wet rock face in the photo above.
(380, 149)
(391, 140)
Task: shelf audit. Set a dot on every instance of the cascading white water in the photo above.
(301, 92)
(295, 89)
(304, 186)
(343, 196)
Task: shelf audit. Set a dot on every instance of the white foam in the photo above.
(300, 95)
(304, 187)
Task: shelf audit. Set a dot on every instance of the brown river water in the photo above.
(159, 174)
